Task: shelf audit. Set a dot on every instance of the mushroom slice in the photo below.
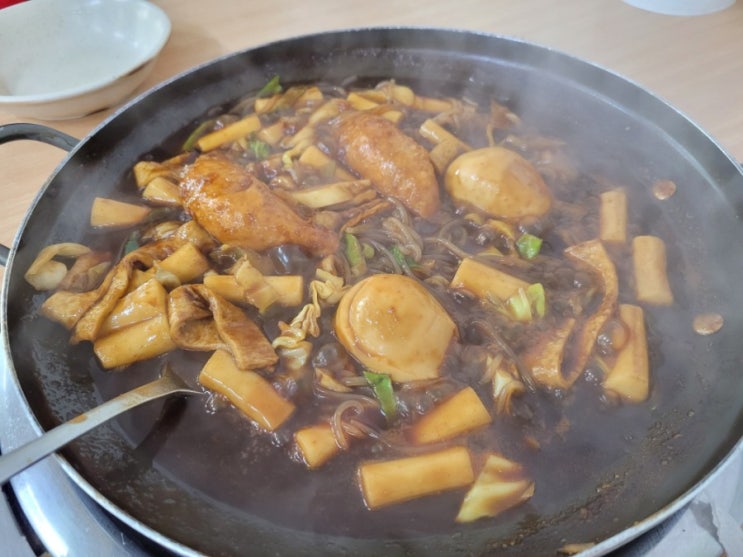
(393, 325)
(498, 182)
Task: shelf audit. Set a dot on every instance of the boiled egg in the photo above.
(498, 182)
(391, 324)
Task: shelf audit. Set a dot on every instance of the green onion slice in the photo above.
(528, 246)
(271, 88)
(192, 139)
(260, 149)
(354, 254)
(381, 384)
(519, 306)
(537, 298)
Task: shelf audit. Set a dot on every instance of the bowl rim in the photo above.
(163, 26)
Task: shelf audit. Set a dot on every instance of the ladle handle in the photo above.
(33, 132)
(21, 458)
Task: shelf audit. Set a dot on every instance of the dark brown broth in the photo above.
(214, 449)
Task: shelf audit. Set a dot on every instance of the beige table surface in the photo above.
(695, 63)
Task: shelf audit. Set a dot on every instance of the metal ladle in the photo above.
(21, 458)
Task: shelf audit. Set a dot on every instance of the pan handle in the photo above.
(33, 132)
(37, 132)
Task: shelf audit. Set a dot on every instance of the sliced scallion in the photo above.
(354, 254)
(519, 306)
(381, 385)
(260, 149)
(537, 299)
(272, 87)
(192, 139)
(528, 246)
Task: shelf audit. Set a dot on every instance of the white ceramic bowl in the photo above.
(64, 59)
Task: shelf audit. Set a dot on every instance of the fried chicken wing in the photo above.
(394, 162)
(237, 208)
